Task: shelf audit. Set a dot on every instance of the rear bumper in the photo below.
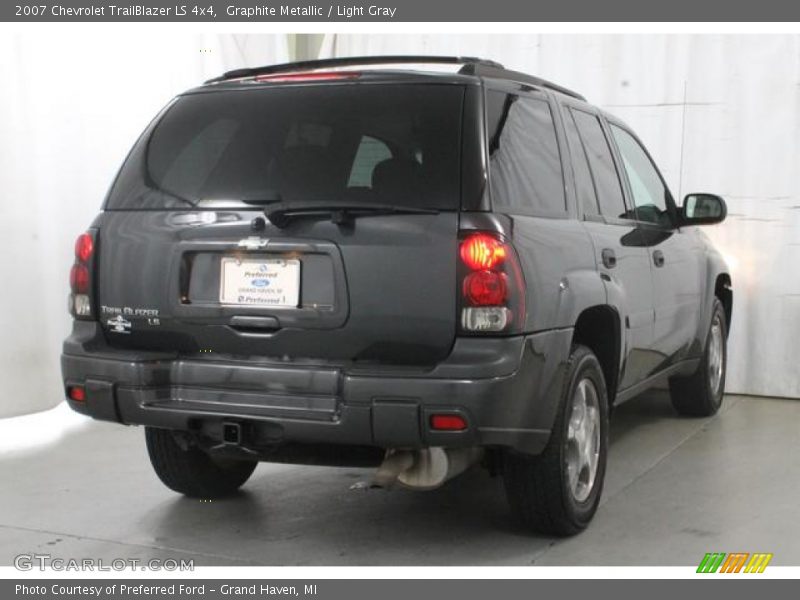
(506, 389)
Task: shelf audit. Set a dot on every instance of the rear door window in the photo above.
(524, 160)
(385, 143)
(601, 161)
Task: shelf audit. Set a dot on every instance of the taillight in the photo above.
(485, 288)
(492, 287)
(80, 278)
(482, 251)
(84, 246)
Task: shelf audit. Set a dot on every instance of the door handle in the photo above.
(609, 258)
(658, 258)
(246, 324)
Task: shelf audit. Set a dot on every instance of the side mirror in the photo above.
(703, 209)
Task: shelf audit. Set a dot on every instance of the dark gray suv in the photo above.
(345, 262)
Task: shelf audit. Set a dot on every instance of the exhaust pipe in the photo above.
(425, 469)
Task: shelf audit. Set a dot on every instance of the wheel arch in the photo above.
(599, 328)
(723, 289)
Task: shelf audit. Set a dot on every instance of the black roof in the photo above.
(478, 67)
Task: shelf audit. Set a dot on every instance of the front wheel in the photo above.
(187, 469)
(700, 394)
(558, 491)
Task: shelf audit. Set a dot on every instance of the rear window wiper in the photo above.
(262, 197)
(281, 215)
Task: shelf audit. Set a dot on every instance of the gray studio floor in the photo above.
(676, 489)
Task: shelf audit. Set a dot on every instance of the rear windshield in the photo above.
(383, 143)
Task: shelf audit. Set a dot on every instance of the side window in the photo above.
(370, 152)
(524, 161)
(649, 191)
(584, 184)
(601, 161)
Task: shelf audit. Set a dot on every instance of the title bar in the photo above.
(400, 11)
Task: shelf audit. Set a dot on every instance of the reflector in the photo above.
(448, 422)
(76, 393)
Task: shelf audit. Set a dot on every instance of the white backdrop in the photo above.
(720, 113)
(70, 109)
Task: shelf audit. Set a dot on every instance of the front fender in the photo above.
(718, 283)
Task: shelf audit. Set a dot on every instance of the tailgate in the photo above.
(186, 261)
(383, 292)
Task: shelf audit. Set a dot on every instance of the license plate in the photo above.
(260, 282)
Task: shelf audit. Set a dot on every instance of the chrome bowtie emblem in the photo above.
(119, 324)
(253, 243)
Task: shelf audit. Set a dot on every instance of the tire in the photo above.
(187, 469)
(700, 394)
(543, 496)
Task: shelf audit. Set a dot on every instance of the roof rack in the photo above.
(470, 66)
(309, 65)
(497, 71)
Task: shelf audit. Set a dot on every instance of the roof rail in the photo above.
(308, 65)
(470, 66)
(484, 69)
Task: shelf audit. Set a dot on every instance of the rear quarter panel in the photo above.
(558, 263)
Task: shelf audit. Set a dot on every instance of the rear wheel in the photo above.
(700, 394)
(187, 469)
(558, 491)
